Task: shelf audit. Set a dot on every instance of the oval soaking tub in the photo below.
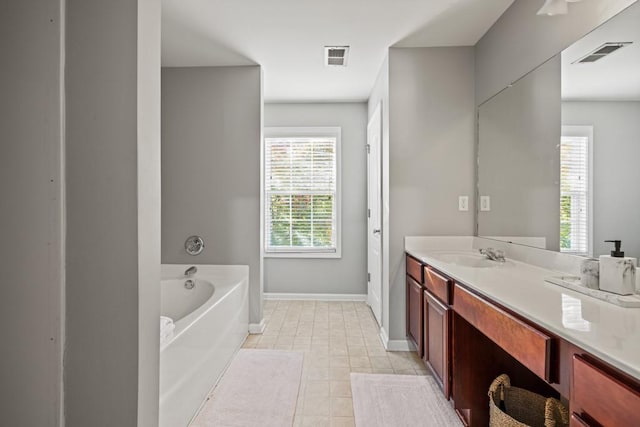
(211, 322)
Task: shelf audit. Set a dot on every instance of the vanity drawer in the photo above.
(526, 344)
(414, 269)
(598, 396)
(437, 284)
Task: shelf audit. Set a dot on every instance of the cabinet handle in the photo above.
(376, 231)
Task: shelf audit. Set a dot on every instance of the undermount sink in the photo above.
(466, 259)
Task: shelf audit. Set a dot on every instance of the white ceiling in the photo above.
(615, 77)
(286, 37)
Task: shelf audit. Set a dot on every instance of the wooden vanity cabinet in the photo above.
(599, 398)
(437, 346)
(415, 314)
(467, 339)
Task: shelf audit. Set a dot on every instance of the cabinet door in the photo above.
(599, 398)
(436, 340)
(414, 313)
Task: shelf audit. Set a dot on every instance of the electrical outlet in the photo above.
(485, 203)
(463, 203)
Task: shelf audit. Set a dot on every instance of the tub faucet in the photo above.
(191, 271)
(493, 254)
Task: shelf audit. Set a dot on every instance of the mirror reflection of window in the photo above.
(576, 190)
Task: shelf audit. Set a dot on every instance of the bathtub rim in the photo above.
(231, 276)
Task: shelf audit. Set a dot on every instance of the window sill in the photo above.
(329, 255)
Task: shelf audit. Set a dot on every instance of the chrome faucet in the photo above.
(191, 271)
(493, 254)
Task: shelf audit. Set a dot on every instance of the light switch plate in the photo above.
(463, 203)
(485, 203)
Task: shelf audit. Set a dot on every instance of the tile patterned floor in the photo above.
(337, 338)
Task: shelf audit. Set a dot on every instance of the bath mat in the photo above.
(400, 400)
(260, 388)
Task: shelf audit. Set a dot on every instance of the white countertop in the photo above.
(607, 331)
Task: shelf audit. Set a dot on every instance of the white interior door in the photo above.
(374, 223)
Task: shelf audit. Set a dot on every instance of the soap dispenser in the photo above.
(617, 272)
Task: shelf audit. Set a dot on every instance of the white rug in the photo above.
(400, 400)
(260, 388)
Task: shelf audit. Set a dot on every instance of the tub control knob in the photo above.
(194, 245)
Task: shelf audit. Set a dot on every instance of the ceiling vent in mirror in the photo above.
(601, 52)
(336, 56)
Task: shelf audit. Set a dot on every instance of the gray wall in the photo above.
(616, 175)
(431, 154)
(31, 226)
(211, 132)
(521, 40)
(347, 275)
(113, 258)
(519, 160)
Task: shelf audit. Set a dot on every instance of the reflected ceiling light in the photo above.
(554, 7)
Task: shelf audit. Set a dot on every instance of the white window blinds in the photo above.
(574, 194)
(300, 194)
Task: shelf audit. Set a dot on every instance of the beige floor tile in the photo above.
(382, 371)
(341, 407)
(401, 363)
(315, 421)
(337, 338)
(302, 340)
(339, 374)
(359, 362)
(343, 422)
(268, 339)
(316, 406)
(338, 351)
(380, 362)
(316, 388)
(264, 346)
(357, 351)
(340, 388)
(355, 341)
(284, 339)
(353, 332)
(339, 362)
(318, 360)
(285, 347)
(362, 370)
(404, 371)
(317, 373)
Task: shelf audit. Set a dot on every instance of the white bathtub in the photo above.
(211, 322)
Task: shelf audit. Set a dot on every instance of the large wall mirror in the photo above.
(559, 150)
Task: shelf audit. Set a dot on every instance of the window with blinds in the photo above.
(301, 192)
(575, 188)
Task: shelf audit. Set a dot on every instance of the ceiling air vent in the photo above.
(601, 52)
(336, 56)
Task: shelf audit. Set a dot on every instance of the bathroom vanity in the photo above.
(472, 319)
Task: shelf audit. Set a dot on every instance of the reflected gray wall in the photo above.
(519, 161)
(346, 275)
(211, 131)
(616, 170)
(31, 216)
(520, 40)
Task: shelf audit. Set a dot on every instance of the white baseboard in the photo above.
(395, 345)
(316, 297)
(257, 328)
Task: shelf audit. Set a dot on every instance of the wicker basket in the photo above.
(517, 407)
